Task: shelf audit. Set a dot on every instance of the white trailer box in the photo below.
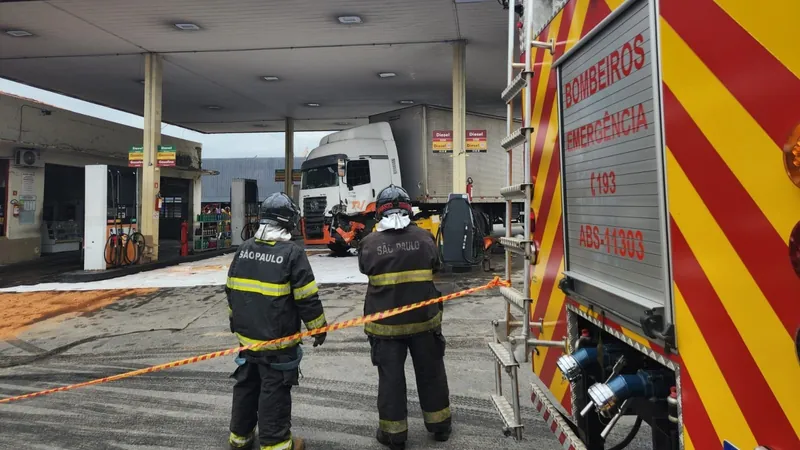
(426, 165)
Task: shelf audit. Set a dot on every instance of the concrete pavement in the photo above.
(188, 407)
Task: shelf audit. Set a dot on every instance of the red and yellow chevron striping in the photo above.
(731, 85)
(575, 20)
(496, 282)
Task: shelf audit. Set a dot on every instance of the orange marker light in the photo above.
(791, 156)
(793, 142)
(796, 153)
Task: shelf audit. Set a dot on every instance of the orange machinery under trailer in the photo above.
(669, 133)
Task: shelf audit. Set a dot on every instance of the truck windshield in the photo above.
(320, 177)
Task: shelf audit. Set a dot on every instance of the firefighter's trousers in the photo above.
(427, 353)
(262, 395)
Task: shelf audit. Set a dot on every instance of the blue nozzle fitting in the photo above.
(584, 358)
(622, 387)
(627, 386)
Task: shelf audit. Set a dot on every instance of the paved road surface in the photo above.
(188, 408)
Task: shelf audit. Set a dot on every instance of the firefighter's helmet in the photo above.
(392, 200)
(279, 209)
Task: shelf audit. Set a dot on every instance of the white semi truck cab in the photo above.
(343, 176)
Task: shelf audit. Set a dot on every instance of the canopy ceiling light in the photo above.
(19, 33)
(342, 124)
(312, 105)
(213, 107)
(387, 74)
(406, 102)
(187, 26)
(350, 20)
(270, 78)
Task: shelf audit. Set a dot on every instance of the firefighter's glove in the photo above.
(319, 339)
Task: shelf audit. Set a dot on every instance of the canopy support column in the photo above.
(459, 117)
(151, 175)
(289, 156)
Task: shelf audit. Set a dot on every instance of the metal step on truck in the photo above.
(664, 140)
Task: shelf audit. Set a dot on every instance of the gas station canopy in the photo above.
(246, 65)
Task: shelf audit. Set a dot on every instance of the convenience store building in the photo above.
(44, 151)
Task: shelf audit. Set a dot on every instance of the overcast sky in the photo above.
(241, 145)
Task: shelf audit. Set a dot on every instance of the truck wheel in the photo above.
(338, 250)
(368, 226)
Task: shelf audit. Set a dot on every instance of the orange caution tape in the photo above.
(333, 327)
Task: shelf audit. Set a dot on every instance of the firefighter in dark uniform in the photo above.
(270, 289)
(400, 260)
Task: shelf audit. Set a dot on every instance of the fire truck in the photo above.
(660, 144)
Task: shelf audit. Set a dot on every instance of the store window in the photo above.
(175, 208)
(3, 196)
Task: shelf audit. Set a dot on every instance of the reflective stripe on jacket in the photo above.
(271, 289)
(400, 265)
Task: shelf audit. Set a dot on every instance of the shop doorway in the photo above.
(63, 205)
(175, 210)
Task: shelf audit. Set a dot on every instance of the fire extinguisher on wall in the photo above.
(15, 208)
(159, 201)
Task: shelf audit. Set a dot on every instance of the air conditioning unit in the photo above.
(27, 157)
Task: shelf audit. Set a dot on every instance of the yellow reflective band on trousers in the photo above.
(285, 445)
(259, 287)
(408, 276)
(316, 323)
(436, 416)
(240, 441)
(379, 329)
(393, 426)
(305, 291)
(244, 340)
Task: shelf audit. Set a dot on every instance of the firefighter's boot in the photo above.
(298, 443)
(386, 440)
(237, 442)
(442, 436)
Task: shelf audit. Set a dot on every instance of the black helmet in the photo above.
(279, 209)
(392, 199)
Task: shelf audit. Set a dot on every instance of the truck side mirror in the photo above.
(341, 168)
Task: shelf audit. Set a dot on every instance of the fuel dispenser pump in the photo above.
(111, 235)
(244, 210)
(461, 233)
(124, 243)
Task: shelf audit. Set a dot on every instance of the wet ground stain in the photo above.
(20, 310)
